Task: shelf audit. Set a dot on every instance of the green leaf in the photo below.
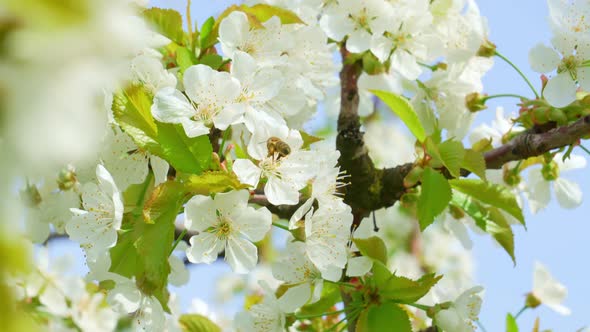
(473, 208)
(434, 197)
(166, 21)
(373, 247)
(167, 194)
(330, 296)
(131, 109)
(212, 182)
(308, 139)
(475, 163)
(264, 12)
(492, 194)
(511, 325)
(452, 154)
(185, 58)
(398, 288)
(402, 289)
(212, 60)
(403, 109)
(499, 228)
(206, 38)
(387, 316)
(197, 323)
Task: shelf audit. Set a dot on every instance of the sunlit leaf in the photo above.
(404, 110)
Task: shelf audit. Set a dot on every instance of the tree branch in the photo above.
(372, 188)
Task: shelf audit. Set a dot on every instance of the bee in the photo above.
(276, 145)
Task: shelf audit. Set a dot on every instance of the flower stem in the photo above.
(585, 149)
(519, 72)
(503, 95)
(276, 224)
(331, 313)
(520, 312)
(189, 22)
(177, 241)
(480, 325)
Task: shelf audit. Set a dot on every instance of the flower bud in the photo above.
(66, 179)
(475, 102)
(31, 196)
(531, 301)
(487, 49)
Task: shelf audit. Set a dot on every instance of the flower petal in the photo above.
(543, 59)
(560, 90)
(568, 193)
(241, 255)
(247, 172)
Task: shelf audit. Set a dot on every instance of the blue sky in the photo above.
(555, 237)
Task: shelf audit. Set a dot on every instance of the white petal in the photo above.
(358, 266)
(539, 193)
(381, 47)
(281, 192)
(229, 115)
(295, 297)
(584, 78)
(171, 106)
(548, 290)
(568, 193)
(405, 64)
(560, 90)
(241, 255)
(160, 168)
(194, 128)
(300, 213)
(205, 248)
(358, 41)
(199, 213)
(231, 203)
(254, 224)
(247, 172)
(543, 59)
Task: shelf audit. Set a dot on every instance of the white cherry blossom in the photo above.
(549, 291)
(327, 231)
(567, 192)
(304, 280)
(225, 222)
(570, 53)
(95, 227)
(126, 298)
(266, 316)
(356, 20)
(150, 72)
(462, 314)
(211, 101)
(285, 175)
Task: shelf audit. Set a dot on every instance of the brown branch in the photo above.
(371, 188)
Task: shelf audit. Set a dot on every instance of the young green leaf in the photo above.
(475, 163)
(330, 296)
(212, 60)
(511, 325)
(403, 109)
(131, 109)
(206, 38)
(372, 247)
(384, 317)
(185, 58)
(167, 21)
(434, 197)
(264, 12)
(402, 289)
(473, 208)
(212, 182)
(499, 228)
(492, 194)
(308, 139)
(197, 323)
(452, 154)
